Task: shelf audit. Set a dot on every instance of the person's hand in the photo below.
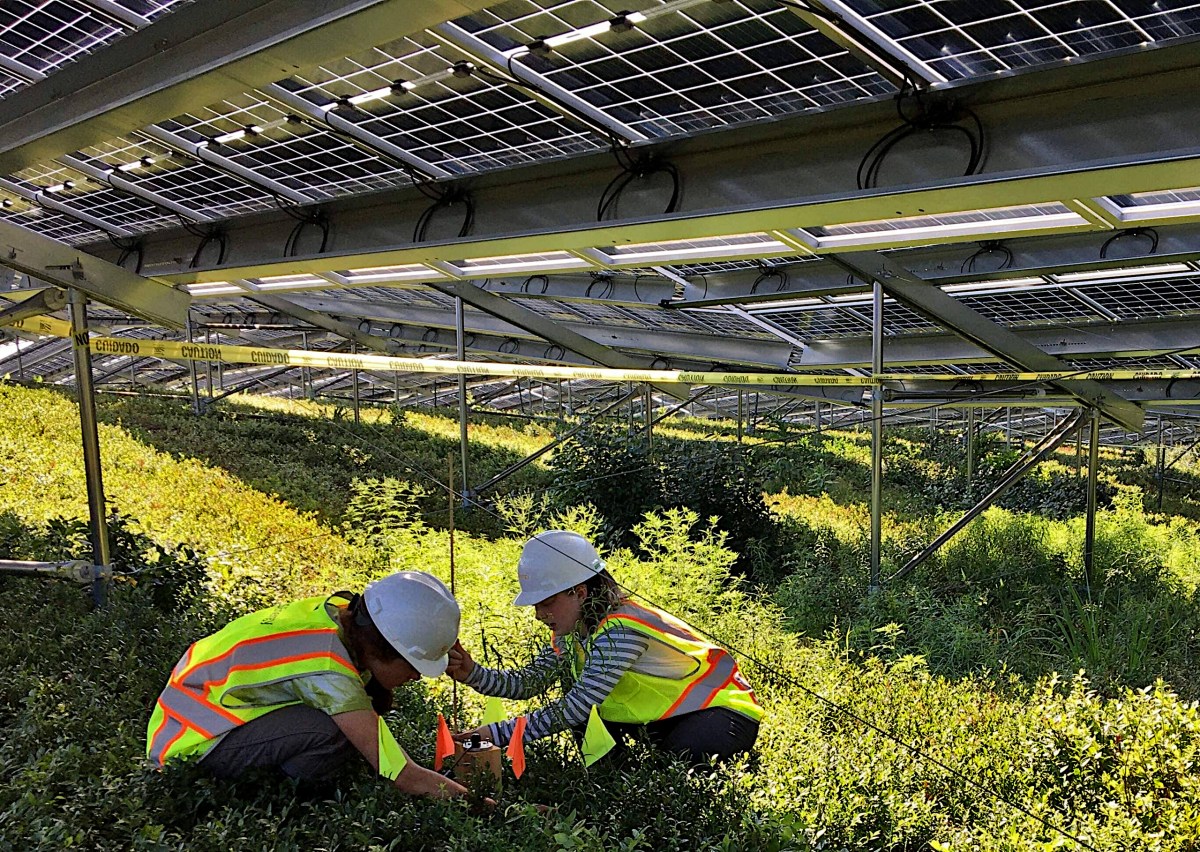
(483, 732)
(460, 665)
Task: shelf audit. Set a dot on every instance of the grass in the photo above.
(974, 663)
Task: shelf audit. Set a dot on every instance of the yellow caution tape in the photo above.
(48, 326)
(1093, 375)
(342, 361)
(177, 351)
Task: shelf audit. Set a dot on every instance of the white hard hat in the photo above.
(418, 616)
(554, 561)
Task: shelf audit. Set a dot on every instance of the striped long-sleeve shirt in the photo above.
(609, 655)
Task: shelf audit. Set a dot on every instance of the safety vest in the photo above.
(270, 646)
(639, 698)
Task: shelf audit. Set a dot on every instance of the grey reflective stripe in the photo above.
(167, 732)
(263, 650)
(699, 692)
(195, 712)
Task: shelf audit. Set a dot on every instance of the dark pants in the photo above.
(696, 737)
(304, 743)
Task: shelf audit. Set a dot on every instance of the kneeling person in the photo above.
(301, 686)
(644, 671)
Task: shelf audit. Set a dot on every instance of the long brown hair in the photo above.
(366, 643)
(603, 596)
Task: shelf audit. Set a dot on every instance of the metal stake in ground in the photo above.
(453, 590)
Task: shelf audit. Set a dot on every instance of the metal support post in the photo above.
(970, 442)
(97, 521)
(195, 376)
(648, 414)
(1079, 451)
(1162, 464)
(460, 350)
(876, 436)
(741, 412)
(208, 364)
(355, 388)
(1089, 534)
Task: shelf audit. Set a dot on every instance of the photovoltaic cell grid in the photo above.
(180, 179)
(46, 34)
(108, 205)
(1152, 363)
(997, 214)
(1039, 306)
(463, 124)
(1146, 199)
(1165, 297)
(963, 39)
(846, 319)
(706, 65)
(296, 154)
(50, 223)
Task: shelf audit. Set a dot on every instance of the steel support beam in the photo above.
(918, 295)
(1085, 340)
(60, 264)
(588, 339)
(1095, 129)
(198, 55)
(93, 473)
(1023, 465)
(40, 302)
(350, 331)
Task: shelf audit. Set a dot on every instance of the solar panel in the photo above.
(464, 122)
(81, 193)
(694, 67)
(155, 168)
(44, 35)
(1167, 297)
(970, 39)
(260, 136)
(1038, 306)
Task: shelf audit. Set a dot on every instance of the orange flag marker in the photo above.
(444, 746)
(516, 748)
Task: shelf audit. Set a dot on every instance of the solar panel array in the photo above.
(530, 81)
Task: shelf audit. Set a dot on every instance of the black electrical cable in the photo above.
(318, 220)
(128, 247)
(448, 199)
(206, 238)
(989, 247)
(1147, 233)
(927, 117)
(631, 170)
(768, 272)
(606, 289)
(545, 282)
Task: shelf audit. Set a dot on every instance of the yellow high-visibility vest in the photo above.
(270, 646)
(715, 681)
